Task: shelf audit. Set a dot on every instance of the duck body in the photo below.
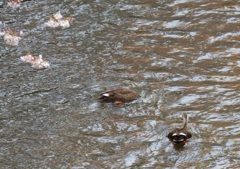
(118, 96)
(179, 136)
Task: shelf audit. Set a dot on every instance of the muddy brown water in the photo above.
(180, 56)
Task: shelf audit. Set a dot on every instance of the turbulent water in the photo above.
(179, 55)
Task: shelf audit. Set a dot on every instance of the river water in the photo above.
(179, 55)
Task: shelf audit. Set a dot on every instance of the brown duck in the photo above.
(179, 136)
(118, 96)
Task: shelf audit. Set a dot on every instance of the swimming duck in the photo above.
(118, 96)
(179, 136)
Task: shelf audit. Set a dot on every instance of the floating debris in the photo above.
(11, 37)
(56, 20)
(14, 3)
(36, 61)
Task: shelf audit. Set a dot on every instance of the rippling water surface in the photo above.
(180, 56)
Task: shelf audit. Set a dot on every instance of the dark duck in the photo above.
(180, 136)
(118, 96)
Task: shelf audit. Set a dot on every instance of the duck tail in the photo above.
(185, 120)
